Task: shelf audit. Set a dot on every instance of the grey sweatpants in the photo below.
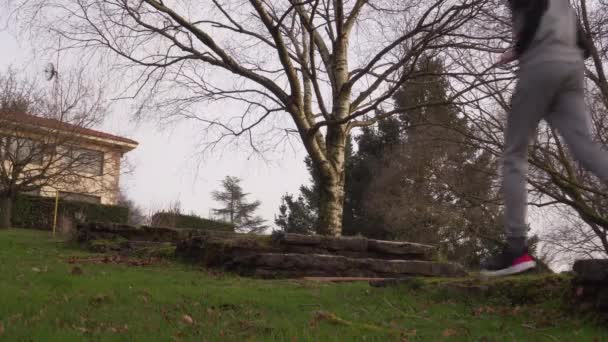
(553, 91)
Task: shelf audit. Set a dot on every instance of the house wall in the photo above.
(105, 186)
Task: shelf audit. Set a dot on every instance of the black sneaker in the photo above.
(508, 263)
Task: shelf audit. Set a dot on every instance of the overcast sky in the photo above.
(166, 164)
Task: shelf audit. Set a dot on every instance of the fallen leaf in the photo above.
(187, 319)
(100, 299)
(81, 329)
(329, 317)
(36, 269)
(449, 333)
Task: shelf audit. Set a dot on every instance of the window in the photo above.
(32, 192)
(72, 196)
(21, 149)
(87, 161)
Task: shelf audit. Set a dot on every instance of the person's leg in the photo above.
(571, 119)
(533, 97)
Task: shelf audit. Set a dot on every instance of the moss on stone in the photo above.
(106, 245)
(166, 251)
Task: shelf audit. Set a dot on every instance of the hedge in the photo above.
(38, 212)
(166, 219)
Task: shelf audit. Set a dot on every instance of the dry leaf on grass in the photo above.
(329, 317)
(449, 333)
(116, 260)
(187, 319)
(76, 270)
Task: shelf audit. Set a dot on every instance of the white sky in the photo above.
(166, 168)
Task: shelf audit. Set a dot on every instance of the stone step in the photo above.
(355, 244)
(278, 265)
(147, 244)
(593, 271)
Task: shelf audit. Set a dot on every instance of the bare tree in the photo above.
(569, 238)
(41, 139)
(313, 69)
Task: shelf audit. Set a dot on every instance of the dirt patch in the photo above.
(116, 260)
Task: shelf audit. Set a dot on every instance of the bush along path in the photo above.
(51, 291)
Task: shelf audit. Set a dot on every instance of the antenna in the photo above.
(49, 71)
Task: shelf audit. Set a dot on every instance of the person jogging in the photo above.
(551, 47)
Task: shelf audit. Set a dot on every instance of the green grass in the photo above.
(41, 300)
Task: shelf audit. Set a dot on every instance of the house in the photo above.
(94, 181)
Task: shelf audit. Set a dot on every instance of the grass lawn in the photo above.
(42, 300)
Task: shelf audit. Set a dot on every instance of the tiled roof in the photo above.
(64, 126)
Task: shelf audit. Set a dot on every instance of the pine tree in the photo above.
(236, 209)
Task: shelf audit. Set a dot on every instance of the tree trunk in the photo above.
(6, 209)
(331, 206)
(331, 184)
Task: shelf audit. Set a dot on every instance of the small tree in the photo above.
(236, 209)
(33, 156)
(296, 216)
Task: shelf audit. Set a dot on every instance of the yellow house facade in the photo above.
(97, 180)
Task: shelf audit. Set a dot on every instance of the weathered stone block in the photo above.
(399, 248)
(592, 271)
(303, 265)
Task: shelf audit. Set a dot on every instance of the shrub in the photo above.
(38, 212)
(176, 220)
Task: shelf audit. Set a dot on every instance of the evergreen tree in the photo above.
(236, 209)
(434, 186)
(296, 216)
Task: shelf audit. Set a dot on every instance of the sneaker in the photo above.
(508, 263)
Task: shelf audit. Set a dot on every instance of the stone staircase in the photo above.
(272, 256)
(295, 256)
